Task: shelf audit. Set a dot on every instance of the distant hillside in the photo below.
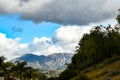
(50, 62)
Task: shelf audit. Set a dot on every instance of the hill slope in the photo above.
(109, 69)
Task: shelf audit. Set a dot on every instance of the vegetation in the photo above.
(100, 44)
(109, 69)
(19, 70)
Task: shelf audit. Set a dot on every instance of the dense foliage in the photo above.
(99, 44)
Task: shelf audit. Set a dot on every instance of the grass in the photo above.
(109, 69)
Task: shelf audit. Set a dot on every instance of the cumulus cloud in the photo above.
(11, 48)
(79, 12)
(69, 36)
(44, 46)
(65, 39)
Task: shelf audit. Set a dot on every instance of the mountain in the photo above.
(50, 62)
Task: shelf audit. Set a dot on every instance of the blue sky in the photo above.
(13, 27)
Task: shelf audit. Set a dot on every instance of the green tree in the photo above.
(8, 75)
(19, 69)
(32, 74)
(2, 58)
(118, 17)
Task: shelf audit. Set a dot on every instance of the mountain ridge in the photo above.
(50, 62)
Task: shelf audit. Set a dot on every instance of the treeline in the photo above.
(18, 71)
(101, 43)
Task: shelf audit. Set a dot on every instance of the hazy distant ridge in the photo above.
(50, 62)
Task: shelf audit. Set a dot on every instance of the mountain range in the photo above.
(55, 61)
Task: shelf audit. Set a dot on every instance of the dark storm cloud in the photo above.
(76, 12)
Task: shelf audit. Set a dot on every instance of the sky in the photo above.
(44, 27)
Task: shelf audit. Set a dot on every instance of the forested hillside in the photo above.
(100, 44)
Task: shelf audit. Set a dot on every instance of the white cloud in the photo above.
(40, 45)
(64, 40)
(11, 48)
(44, 46)
(69, 36)
(62, 11)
